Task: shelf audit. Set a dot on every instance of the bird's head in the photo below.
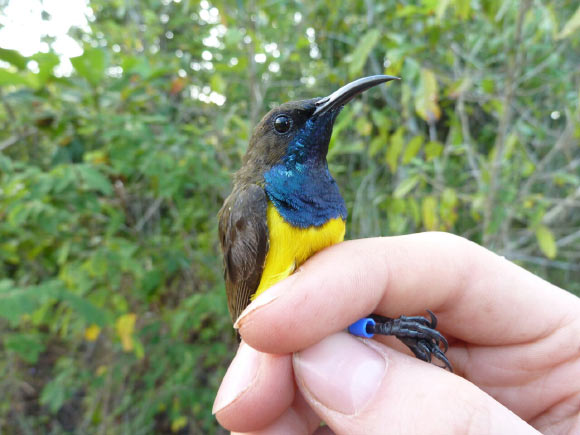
(298, 132)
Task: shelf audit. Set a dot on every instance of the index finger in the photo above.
(478, 296)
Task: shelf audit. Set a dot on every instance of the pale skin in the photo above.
(514, 345)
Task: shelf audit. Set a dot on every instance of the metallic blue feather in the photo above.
(301, 187)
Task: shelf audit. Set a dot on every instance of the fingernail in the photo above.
(269, 296)
(341, 372)
(239, 377)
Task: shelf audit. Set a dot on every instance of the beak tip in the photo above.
(349, 91)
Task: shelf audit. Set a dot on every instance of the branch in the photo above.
(467, 141)
(148, 214)
(549, 218)
(553, 214)
(13, 140)
(539, 67)
(515, 64)
(9, 142)
(570, 238)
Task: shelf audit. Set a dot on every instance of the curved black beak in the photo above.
(343, 95)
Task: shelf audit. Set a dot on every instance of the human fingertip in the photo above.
(239, 378)
(341, 372)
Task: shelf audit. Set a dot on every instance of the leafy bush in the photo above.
(112, 309)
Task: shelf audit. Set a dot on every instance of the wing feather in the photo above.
(243, 231)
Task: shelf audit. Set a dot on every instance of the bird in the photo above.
(285, 206)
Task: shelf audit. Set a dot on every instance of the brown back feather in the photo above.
(243, 232)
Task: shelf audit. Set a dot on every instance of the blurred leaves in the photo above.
(406, 186)
(94, 179)
(92, 332)
(27, 346)
(125, 326)
(13, 57)
(571, 26)
(427, 96)
(12, 78)
(361, 52)
(429, 213)
(546, 241)
(113, 167)
(90, 65)
(412, 149)
(395, 148)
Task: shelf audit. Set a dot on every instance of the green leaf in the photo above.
(363, 126)
(429, 213)
(91, 65)
(95, 180)
(447, 209)
(151, 281)
(413, 207)
(55, 391)
(344, 120)
(395, 148)
(88, 311)
(412, 149)
(510, 144)
(14, 58)
(546, 241)
(488, 85)
(12, 78)
(46, 64)
(442, 6)
(377, 144)
(17, 301)
(406, 186)
(433, 150)
(233, 36)
(362, 51)
(449, 197)
(459, 87)
(462, 8)
(6, 164)
(27, 346)
(218, 84)
(427, 96)
(571, 26)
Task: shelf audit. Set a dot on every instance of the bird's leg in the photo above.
(417, 333)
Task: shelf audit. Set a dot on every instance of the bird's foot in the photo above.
(417, 333)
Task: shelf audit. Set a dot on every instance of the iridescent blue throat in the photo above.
(301, 187)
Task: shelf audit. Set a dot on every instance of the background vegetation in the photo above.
(113, 316)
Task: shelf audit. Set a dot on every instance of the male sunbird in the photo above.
(285, 206)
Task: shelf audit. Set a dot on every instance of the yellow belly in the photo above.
(290, 246)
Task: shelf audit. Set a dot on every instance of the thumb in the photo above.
(361, 386)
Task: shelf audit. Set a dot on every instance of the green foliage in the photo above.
(362, 51)
(90, 65)
(546, 241)
(113, 316)
(571, 26)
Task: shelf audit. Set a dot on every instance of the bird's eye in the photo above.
(282, 124)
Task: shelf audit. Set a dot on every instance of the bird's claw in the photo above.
(418, 334)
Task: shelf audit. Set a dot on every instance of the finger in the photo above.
(255, 391)
(298, 419)
(479, 297)
(529, 378)
(358, 386)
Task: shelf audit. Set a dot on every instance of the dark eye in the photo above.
(282, 124)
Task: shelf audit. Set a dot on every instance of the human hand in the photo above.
(514, 344)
